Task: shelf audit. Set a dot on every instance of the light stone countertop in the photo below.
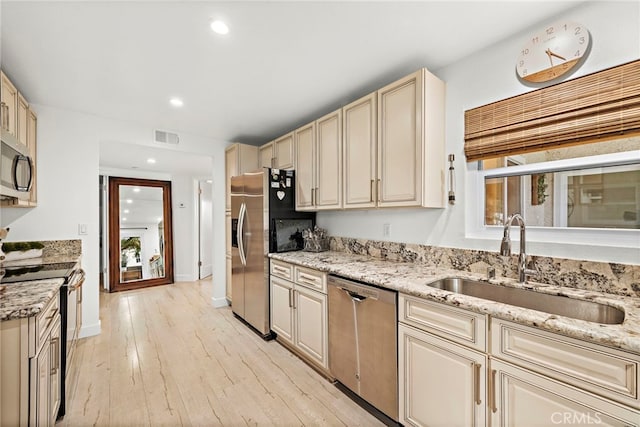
(25, 299)
(413, 278)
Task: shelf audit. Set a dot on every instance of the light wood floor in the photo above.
(167, 357)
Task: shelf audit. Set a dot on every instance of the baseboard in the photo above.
(90, 330)
(184, 278)
(219, 302)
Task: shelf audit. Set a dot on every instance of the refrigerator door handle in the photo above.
(240, 234)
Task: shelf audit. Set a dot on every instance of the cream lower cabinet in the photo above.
(299, 311)
(520, 397)
(452, 374)
(432, 371)
(30, 366)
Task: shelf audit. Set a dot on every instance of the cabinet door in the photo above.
(9, 97)
(310, 308)
(231, 169)
(265, 155)
(284, 150)
(329, 161)
(441, 383)
(55, 374)
(22, 119)
(400, 142)
(32, 144)
(305, 167)
(360, 142)
(282, 308)
(42, 385)
(519, 397)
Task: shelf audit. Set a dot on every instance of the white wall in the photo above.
(68, 169)
(486, 77)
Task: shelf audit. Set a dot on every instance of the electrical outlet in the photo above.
(386, 230)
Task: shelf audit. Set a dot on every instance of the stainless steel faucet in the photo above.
(505, 247)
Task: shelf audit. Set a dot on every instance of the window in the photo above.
(573, 190)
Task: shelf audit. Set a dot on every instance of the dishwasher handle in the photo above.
(354, 296)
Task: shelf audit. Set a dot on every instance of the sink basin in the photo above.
(553, 304)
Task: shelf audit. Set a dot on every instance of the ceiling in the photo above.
(140, 205)
(283, 64)
(134, 157)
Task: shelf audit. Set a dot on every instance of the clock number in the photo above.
(521, 63)
(577, 53)
(549, 30)
(524, 72)
(581, 40)
(535, 40)
(525, 51)
(578, 30)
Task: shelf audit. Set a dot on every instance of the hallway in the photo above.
(167, 357)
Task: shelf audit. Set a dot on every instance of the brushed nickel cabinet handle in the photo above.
(492, 390)
(372, 190)
(312, 201)
(379, 193)
(476, 382)
(290, 298)
(294, 299)
(317, 191)
(55, 355)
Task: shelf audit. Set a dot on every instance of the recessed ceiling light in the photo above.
(129, 201)
(126, 211)
(219, 27)
(124, 219)
(150, 160)
(176, 102)
(209, 181)
(136, 190)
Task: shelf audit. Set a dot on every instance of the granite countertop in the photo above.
(48, 259)
(26, 299)
(413, 278)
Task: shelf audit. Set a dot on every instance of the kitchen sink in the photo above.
(553, 304)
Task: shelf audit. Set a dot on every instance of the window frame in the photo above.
(476, 229)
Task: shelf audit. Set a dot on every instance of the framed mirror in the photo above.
(140, 233)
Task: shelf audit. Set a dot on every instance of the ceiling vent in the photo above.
(166, 137)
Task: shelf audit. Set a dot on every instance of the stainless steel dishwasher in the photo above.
(363, 352)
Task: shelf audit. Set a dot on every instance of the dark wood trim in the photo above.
(114, 234)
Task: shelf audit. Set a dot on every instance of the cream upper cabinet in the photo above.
(305, 140)
(359, 131)
(284, 152)
(328, 163)
(22, 125)
(239, 158)
(441, 383)
(411, 161)
(265, 155)
(32, 144)
(319, 164)
(9, 100)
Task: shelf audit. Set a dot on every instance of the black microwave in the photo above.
(16, 170)
(286, 234)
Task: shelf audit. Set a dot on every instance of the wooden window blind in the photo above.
(594, 107)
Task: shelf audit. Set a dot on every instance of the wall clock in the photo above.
(553, 51)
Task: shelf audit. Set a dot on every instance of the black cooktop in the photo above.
(25, 273)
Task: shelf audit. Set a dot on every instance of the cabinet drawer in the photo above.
(456, 324)
(43, 322)
(601, 370)
(310, 278)
(281, 269)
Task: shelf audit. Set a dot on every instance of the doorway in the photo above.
(205, 227)
(140, 233)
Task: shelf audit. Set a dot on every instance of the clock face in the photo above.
(553, 51)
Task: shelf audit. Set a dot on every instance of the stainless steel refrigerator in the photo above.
(263, 220)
